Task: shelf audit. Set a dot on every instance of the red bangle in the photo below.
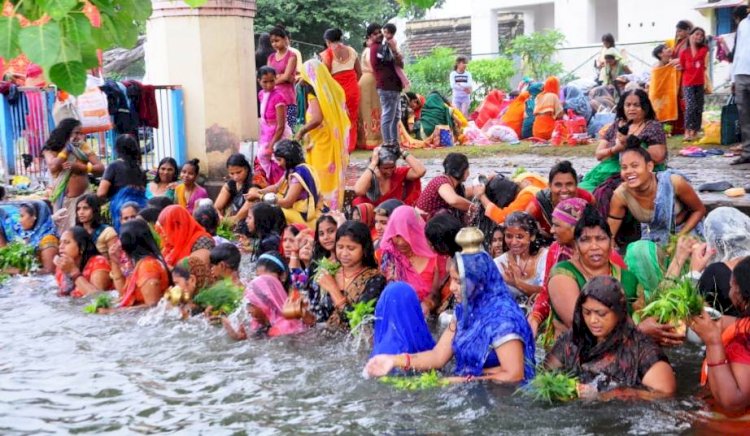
(469, 378)
(408, 362)
(723, 362)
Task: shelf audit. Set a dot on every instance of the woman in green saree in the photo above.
(435, 112)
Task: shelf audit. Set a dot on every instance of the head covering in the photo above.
(535, 88)
(180, 231)
(727, 231)
(199, 269)
(387, 155)
(642, 260)
(406, 222)
(400, 326)
(11, 224)
(569, 211)
(552, 85)
(535, 179)
(612, 52)
(267, 294)
(366, 213)
(487, 317)
(576, 101)
(387, 207)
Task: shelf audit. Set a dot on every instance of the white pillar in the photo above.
(484, 37)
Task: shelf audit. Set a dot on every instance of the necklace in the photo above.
(349, 277)
(587, 273)
(524, 274)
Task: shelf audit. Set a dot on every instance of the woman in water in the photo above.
(89, 216)
(522, 266)
(230, 203)
(182, 236)
(81, 270)
(31, 223)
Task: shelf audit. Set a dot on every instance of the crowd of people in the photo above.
(506, 260)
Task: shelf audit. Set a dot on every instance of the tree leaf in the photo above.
(195, 3)
(57, 9)
(41, 43)
(9, 29)
(69, 76)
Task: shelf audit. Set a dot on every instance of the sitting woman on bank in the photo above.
(547, 109)
(522, 266)
(81, 270)
(664, 203)
(447, 192)
(383, 180)
(189, 191)
(605, 350)
(182, 236)
(357, 281)
(406, 255)
(165, 180)
(727, 365)
(31, 223)
(124, 180)
(89, 216)
(563, 184)
(635, 117)
(231, 203)
(593, 245)
(150, 277)
(489, 335)
(298, 192)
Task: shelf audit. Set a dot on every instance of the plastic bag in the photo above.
(598, 121)
(64, 107)
(502, 134)
(93, 108)
(711, 133)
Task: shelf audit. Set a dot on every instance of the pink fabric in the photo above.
(269, 101)
(287, 89)
(569, 211)
(268, 294)
(406, 222)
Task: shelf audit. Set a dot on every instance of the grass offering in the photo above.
(674, 302)
(226, 230)
(328, 266)
(519, 170)
(102, 301)
(552, 386)
(18, 255)
(360, 313)
(223, 298)
(426, 380)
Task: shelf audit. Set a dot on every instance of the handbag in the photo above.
(730, 122)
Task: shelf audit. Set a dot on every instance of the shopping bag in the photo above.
(730, 123)
(93, 109)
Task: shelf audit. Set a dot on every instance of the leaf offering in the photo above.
(326, 265)
(223, 298)
(518, 172)
(102, 301)
(426, 380)
(674, 302)
(359, 313)
(18, 255)
(226, 230)
(552, 386)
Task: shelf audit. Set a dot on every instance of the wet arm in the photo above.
(417, 169)
(660, 378)
(729, 383)
(454, 200)
(617, 211)
(686, 194)
(511, 367)
(53, 162)
(222, 200)
(151, 291)
(47, 257)
(436, 358)
(100, 281)
(658, 153)
(97, 167)
(364, 181)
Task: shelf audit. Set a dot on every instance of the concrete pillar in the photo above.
(575, 19)
(529, 24)
(484, 38)
(210, 52)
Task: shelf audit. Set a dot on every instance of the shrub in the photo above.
(490, 74)
(431, 73)
(536, 50)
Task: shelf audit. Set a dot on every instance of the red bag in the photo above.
(559, 133)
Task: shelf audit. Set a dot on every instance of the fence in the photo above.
(25, 125)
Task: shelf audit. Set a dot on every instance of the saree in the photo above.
(41, 236)
(124, 195)
(662, 91)
(663, 224)
(66, 286)
(631, 287)
(400, 326)
(365, 287)
(345, 75)
(528, 122)
(60, 184)
(513, 117)
(486, 318)
(369, 106)
(146, 269)
(180, 231)
(268, 294)
(642, 260)
(198, 193)
(327, 143)
(434, 113)
(576, 101)
(491, 107)
(268, 103)
(307, 208)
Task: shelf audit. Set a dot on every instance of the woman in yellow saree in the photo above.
(326, 131)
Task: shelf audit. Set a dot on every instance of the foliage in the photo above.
(552, 386)
(63, 36)
(18, 255)
(536, 50)
(426, 380)
(674, 302)
(519, 170)
(223, 298)
(491, 74)
(431, 73)
(360, 312)
(102, 301)
(326, 265)
(4, 278)
(226, 230)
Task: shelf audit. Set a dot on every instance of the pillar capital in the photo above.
(212, 8)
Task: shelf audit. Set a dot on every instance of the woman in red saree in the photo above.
(343, 63)
(383, 180)
(182, 236)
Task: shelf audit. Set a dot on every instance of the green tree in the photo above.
(431, 73)
(536, 51)
(490, 74)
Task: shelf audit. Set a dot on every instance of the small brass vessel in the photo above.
(470, 239)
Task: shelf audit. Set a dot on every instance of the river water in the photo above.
(63, 371)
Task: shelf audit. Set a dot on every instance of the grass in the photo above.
(674, 145)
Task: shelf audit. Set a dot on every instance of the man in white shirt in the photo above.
(741, 80)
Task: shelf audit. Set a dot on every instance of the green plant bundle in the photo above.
(4, 278)
(426, 380)
(360, 312)
(102, 301)
(20, 255)
(552, 386)
(674, 302)
(223, 298)
(326, 265)
(226, 230)
(519, 170)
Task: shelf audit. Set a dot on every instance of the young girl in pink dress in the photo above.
(284, 61)
(273, 125)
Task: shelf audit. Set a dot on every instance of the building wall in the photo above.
(659, 22)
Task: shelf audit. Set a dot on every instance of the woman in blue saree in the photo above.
(400, 326)
(124, 180)
(489, 337)
(31, 223)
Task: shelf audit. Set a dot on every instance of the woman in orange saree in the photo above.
(547, 109)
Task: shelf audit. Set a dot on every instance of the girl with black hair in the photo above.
(123, 180)
(230, 203)
(273, 125)
(31, 223)
(447, 192)
(81, 270)
(89, 216)
(262, 229)
(563, 184)
(522, 266)
(693, 62)
(189, 191)
(284, 61)
(165, 180)
(150, 276)
(273, 263)
(299, 191)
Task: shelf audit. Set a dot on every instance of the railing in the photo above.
(26, 123)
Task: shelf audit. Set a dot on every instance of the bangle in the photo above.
(89, 167)
(723, 362)
(407, 366)
(469, 378)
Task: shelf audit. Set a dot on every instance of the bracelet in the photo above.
(723, 362)
(407, 367)
(469, 378)
(89, 167)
